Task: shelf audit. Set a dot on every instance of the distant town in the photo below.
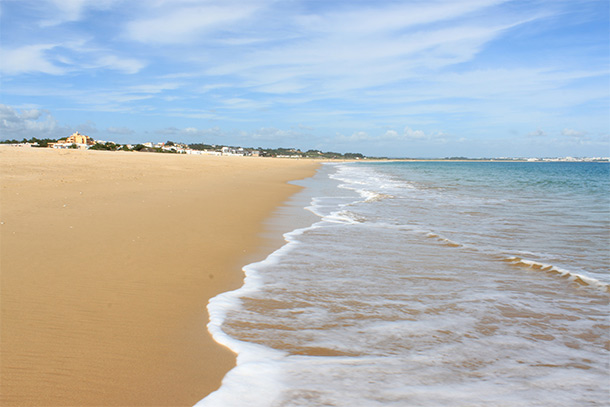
(81, 141)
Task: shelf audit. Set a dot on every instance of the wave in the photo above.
(548, 268)
(443, 240)
(370, 196)
(374, 196)
(345, 217)
(368, 183)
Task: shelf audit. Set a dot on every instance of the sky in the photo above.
(410, 78)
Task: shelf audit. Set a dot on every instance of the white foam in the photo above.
(256, 379)
(571, 276)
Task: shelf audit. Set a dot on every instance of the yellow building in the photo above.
(78, 138)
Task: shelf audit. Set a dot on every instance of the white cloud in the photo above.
(168, 131)
(573, 133)
(31, 114)
(68, 10)
(214, 86)
(29, 58)
(408, 134)
(192, 113)
(191, 133)
(274, 134)
(120, 130)
(391, 134)
(335, 56)
(404, 55)
(241, 103)
(59, 59)
(87, 128)
(28, 123)
(579, 137)
(126, 65)
(153, 88)
(19, 124)
(415, 134)
(186, 24)
(395, 17)
(358, 136)
(537, 133)
(62, 11)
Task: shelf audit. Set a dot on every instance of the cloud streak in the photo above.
(29, 58)
(173, 24)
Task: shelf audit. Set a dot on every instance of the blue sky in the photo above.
(475, 78)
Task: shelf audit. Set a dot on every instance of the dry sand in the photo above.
(108, 260)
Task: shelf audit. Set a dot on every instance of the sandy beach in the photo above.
(108, 260)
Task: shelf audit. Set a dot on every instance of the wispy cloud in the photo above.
(243, 104)
(29, 58)
(339, 52)
(187, 22)
(126, 65)
(276, 135)
(192, 134)
(61, 11)
(59, 59)
(391, 135)
(120, 130)
(576, 135)
(537, 133)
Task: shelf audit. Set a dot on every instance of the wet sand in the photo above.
(107, 262)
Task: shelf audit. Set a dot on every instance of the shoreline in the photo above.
(106, 275)
(255, 362)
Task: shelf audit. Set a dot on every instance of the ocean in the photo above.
(428, 284)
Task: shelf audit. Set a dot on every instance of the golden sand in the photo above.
(108, 260)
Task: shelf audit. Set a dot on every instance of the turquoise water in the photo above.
(427, 284)
(548, 212)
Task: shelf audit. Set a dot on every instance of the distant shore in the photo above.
(217, 150)
(108, 261)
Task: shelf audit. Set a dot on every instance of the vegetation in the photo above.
(274, 152)
(108, 146)
(263, 152)
(160, 150)
(280, 152)
(201, 147)
(35, 141)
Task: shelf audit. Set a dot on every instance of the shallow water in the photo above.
(426, 284)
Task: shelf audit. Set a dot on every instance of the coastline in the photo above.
(106, 273)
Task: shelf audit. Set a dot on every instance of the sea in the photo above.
(428, 284)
